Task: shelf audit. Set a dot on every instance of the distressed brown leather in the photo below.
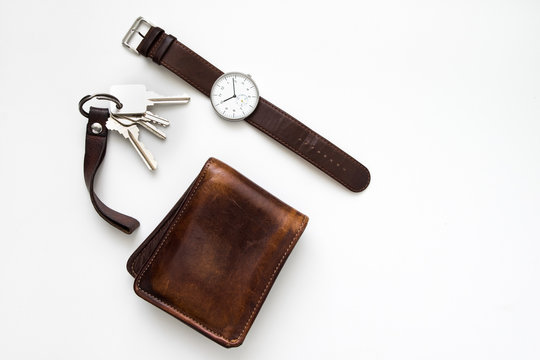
(165, 50)
(95, 149)
(213, 259)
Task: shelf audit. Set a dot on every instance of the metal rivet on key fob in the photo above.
(96, 128)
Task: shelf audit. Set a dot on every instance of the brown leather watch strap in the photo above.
(165, 50)
(96, 146)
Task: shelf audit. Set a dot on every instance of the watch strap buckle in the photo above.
(140, 24)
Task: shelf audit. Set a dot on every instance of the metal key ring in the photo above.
(108, 97)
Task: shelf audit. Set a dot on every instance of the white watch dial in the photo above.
(234, 96)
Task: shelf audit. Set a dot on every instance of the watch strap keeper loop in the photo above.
(162, 48)
(149, 39)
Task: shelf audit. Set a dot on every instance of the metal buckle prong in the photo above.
(136, 29)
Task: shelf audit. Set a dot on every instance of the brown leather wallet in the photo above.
(213, 259)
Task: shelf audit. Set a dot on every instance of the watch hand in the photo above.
(228, 99)
(233, 88)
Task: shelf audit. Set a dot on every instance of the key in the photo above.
(132, 134)
(153, 98)
(148, 117)
(136, 99)
(156, 119)
(127, 120)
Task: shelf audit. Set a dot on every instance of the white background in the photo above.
(437, 259)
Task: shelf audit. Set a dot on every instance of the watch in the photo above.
(234, 96)
(164, 49)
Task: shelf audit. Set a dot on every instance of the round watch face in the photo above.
(234, 96)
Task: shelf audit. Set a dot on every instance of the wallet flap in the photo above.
(213, 259)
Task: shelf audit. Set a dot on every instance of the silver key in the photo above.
(136, 99)
(132, 134)
(127, 120)
(153, 98)
(155, 119)
(149, 118)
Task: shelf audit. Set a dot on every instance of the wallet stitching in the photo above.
(272, 277)
(265, 290)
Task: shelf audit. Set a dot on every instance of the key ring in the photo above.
(108, 97)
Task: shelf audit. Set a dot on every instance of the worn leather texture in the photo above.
(95, 149)
(165, 50)
(213, 259)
